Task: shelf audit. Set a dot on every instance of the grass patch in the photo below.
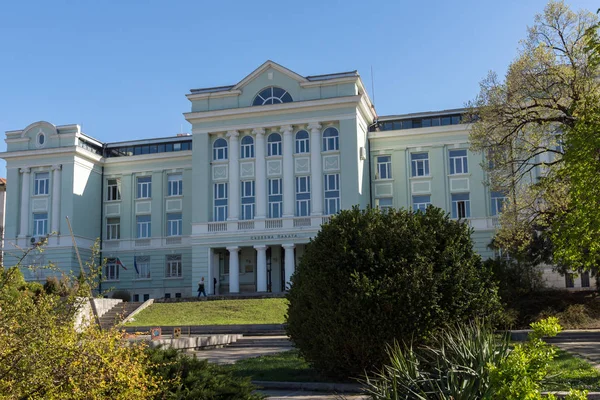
(572, 372)
(218, 312)
(281, 367)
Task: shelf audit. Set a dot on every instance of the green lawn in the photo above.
(573, 372)
(218, 312)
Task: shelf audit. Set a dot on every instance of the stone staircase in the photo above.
(117, 314)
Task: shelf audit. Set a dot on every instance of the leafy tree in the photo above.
(371, 277)
(524, 121)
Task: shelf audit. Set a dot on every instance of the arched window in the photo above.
(272, 95)
(331, 139)
(247, 147)
(302, 142)
(220, 149)
(274, 144)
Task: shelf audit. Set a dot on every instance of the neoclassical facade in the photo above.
(269, 160)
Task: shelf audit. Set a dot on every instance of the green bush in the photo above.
(371, 277)
(121, 294)
(60, 287)
(515, 279)
(187, 378)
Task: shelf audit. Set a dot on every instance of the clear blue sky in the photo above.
(121, 68)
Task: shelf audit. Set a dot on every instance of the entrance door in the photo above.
(269, 281)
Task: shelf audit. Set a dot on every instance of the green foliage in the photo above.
(122, 294)
(514, 279)
(184, 378)
(371, 277)
(58, 286)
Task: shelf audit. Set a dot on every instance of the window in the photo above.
(420, 164)
(331, 140)
(173, 266)
(113, 190)
(569, 281)
(136, 298)
(41, 139)
(302, 142)
(220, 202)
(167, 295)
(498, 200)
(248, 200)
(220, 149)
(247, 147)
(40, 224)
(113, 228)
(144, 227)
(175, 185)
(420, 203)
(458, 162)
(461, 206)
(585, 279)
(111, 270)
(174, 223)
(302, 196)
(177, 295)
(275, 198)
(384, 167)
(42, 180)
(142, 267)
(332, 193)
(274, 144)
(146, 297)
(385, 203)
(144, 187)
(272, 95)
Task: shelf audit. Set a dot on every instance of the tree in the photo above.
(523, 122)
(371, 277)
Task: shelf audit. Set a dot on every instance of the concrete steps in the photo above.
(116, 314)
(246, 330)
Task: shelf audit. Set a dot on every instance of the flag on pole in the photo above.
(135, 265)
(120, 264)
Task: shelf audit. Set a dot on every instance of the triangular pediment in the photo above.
(265, 67)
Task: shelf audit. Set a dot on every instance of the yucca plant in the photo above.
(454, 366)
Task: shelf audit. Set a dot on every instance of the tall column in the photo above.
(316, 169)
(234, 175)
(260, 174)
(261, 268)
(290, 263)
(288, 171)
(56, 182)
(234, 269)
(26, 182)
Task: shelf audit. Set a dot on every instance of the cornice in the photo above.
(329, 82)
(147, 157)
(212, 95)
(434, 130)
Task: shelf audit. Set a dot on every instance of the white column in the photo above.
(261, 268)
(26, 182)
(290, 263)
(288, 171)
(260, 174)
(234, 269)
(56, 182)
(234, 175)
(316, 169)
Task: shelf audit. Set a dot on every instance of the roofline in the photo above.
(423, 114)
(332, 76)
(168, 139)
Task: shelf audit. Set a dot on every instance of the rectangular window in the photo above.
(144, 187)
(113, 190)
(420, 203)
(175, 185)
(461, 206)
(385, 203)
(174, 224)
(173, 266)
(142, 267)
(247, 199)
(146, 297)
(136, 298)
(275, 198)
(420, 164)
(498, 200)
(585, 279)
(40, 224)
(113, 228)
(42, 181)
(384, 167)
(144, 227)
(458, 162)
(167, 295)
(569, 281)
(220, 202)
(302, 196)
(332, 193)
(111, 270)
(177, 295)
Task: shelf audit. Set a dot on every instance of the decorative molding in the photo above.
(25, 170)
(247, 169)
(420, 187)
(302, 165)
(220, 172)
(258, 131)
(384, 189)
(331, 163)
(273, 167)
(174, 205)
(113, 209)
(56, 167)
(39, 204)
(143, 207)
(459, 184)
(233, 134)
(314, 126)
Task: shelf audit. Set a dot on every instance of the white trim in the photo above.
(148, 157)
(40, 124)
(266, 65)
(441, 130)
(330, 82)
(201, 96)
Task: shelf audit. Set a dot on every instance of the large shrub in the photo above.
(371, 277)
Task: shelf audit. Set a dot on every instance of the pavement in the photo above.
(306, 395)
(589, 351)
(245, 347)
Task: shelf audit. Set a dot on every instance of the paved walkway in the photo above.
(587, 350)
(305, 395)
(246, 347)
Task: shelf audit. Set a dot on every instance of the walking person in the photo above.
(201, 288)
